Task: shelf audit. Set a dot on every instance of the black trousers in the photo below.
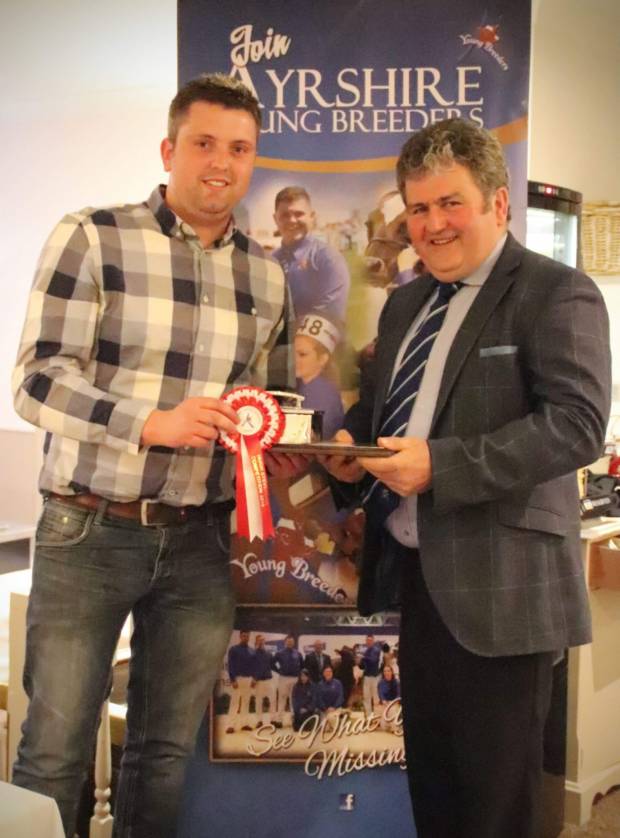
(473, 727)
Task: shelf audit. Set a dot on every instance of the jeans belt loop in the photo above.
(144, 511)
(101, 510)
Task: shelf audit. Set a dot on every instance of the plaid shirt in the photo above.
(128, 313)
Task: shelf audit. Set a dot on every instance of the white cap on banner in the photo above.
(317, 326)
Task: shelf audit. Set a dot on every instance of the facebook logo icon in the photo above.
(347, 802)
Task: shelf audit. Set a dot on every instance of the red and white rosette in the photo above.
(261, 425)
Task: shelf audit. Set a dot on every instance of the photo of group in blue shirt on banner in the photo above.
(321, 696)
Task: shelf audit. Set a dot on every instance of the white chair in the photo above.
(17, 704)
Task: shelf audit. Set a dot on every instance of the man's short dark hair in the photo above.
(441, 145)
(290, 194)
(217, 89)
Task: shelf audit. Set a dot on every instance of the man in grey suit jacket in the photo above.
(482, 551)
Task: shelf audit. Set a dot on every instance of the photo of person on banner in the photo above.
(142, 316)
(317, 273)
(242, 675)
(490, 383)
(316, 339)
(288, 663)
(388, 690)
(316, 661)
(369, 664)
(304, 699)
(265, 688)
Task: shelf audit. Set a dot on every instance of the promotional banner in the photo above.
(342, 85)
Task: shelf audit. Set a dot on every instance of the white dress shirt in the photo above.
(403, 523)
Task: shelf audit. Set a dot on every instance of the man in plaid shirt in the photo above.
(140, 318)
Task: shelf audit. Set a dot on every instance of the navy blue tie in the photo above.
(377, 498)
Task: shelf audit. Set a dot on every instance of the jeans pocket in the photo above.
(62, 525)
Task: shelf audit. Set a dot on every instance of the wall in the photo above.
(575, 114)
(84, 112)
(86, 90)
(575, 96)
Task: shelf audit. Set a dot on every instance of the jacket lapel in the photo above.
(497, 284)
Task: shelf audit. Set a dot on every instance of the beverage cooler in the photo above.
(554, 222)
(553, 229)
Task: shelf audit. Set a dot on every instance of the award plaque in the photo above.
(327, 448)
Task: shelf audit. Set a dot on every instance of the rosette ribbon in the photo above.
(261, 425)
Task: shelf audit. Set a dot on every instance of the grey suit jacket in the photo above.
(524, 401)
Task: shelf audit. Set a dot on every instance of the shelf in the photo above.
(596, 529)
(16, 532)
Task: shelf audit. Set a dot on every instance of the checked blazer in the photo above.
(523, 402)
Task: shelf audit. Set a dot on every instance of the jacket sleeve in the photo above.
(565, 358)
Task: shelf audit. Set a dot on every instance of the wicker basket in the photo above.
(600, 238)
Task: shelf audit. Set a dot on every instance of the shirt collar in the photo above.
(298, 244)
(174, 226)
(483, 271)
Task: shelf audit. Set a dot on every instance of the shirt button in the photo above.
(253, 310)
(173, 493)
(384, 493)
(205, 299)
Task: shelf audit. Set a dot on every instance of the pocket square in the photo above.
(487, 351)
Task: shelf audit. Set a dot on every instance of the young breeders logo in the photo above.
(485, 38)
(252, 565)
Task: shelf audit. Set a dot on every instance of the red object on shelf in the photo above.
(614, 466)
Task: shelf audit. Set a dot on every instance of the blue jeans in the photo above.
(90, 572)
